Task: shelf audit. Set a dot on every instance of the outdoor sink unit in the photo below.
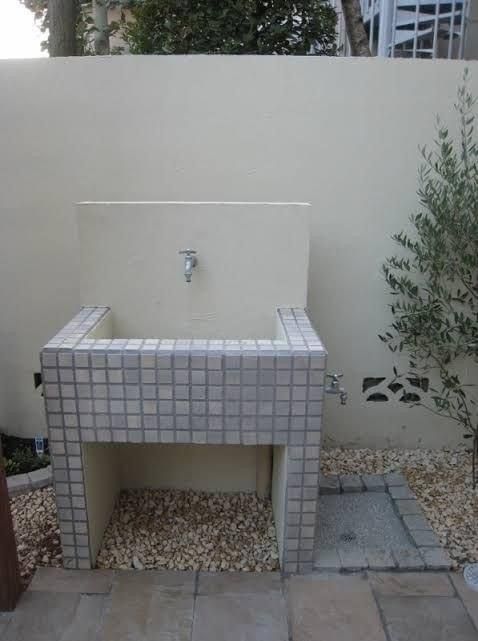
(230, 400)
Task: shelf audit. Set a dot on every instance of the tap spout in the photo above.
(335, 388)
(190, 261)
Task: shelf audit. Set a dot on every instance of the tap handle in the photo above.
(334, 377)
(188, 252)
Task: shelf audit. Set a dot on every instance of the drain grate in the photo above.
(348, 537)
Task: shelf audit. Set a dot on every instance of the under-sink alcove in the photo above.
(212, 385)
(182, 520)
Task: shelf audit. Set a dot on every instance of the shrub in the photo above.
(232, 27)
(23, 460)
(434, 279)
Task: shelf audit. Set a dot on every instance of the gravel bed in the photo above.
(36, 530)
(187, 530)
(441, 480)
(236, 531)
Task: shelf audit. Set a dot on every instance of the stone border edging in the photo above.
(430, 555)
(22, 483)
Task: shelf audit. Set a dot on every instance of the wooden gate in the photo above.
(10, 584)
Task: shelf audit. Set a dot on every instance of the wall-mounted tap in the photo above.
(334, 387)
(190, 261)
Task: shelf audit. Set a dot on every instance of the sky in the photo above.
(20, 37)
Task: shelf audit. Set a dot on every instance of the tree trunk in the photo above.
(354, 26)
(10, 584)
(100, 16)
(62, 19)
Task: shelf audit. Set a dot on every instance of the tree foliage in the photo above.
(86, 30)
(434, 279)
(232, 27)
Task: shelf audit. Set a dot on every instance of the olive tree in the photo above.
(434, 278)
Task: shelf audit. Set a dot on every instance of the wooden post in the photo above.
(10, 583)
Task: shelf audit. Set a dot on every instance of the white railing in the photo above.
(420, 29)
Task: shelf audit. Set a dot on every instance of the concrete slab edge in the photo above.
(22, 483)
(334, 559)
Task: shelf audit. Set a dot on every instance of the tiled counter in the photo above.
(215, 392)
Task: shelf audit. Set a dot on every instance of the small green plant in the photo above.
(22, 460)
(434, 279)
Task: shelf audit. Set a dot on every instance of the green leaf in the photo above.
(433, 278)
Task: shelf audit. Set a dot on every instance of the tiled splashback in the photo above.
(248, 392)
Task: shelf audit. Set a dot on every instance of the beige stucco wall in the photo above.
(209, 468)
(279, 492)
(341, 134)
(251, 259)
(102, 484)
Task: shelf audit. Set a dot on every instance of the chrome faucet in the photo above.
(190, 261)
(335, 388)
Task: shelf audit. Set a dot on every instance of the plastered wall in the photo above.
(208, 468)
(252, 258)
(102, 474)
(341, 134)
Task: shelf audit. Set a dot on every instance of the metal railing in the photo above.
(420, 29)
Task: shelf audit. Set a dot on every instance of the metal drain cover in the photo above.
(348, 537)
(470, 574)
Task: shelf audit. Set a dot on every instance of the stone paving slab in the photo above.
(401, 492)
(379, 559)
(426, 618)
(411, 584)
(333, 608)
(394, 479)
(351, 483)
(155, 579)
(42, 616)
(87, 621)
(425, 538)
(4, 621)
(468, 596)
(435, 558)
(148, 611)
(240, 617)
(329, 484)
(352, 558)
(77, 581)
(408, 558)
(239, 583)
(416, 522)
(373, 482)
(186, 606)
(408, 506)
(327, 558)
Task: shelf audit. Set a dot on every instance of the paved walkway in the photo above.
(185, 606)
